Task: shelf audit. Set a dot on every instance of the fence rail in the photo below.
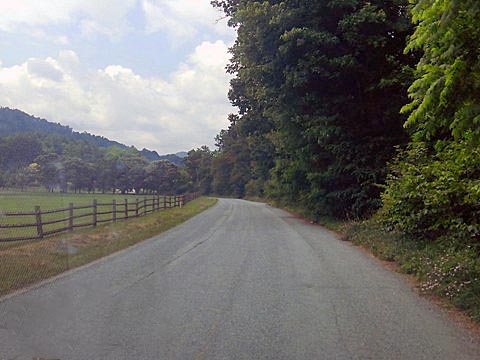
(40, 227)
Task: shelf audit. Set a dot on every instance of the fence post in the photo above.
(164, 202)
(94, 212)
(182, 201)
(114, 210)
(70, 217)
(38, 217)
(144, 206)
(126, 208)
(136, 207)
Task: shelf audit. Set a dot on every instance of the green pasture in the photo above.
(26, 202)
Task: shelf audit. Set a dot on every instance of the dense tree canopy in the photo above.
(318, 86)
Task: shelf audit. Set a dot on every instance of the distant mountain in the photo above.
(13, 121)
(173, 158)
(182, 154)
(150, 155)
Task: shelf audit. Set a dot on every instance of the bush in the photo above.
(255, 188)
(434, 194)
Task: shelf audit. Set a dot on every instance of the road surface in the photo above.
(240, 281)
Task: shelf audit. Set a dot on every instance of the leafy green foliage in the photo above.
(231, 164)
(446, 94)
(319, 86)
(435, 194)
(198, 164)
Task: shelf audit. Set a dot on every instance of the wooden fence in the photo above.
(95, 213)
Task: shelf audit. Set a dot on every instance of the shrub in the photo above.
(434, 194)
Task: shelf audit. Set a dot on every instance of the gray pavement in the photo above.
(239, 281)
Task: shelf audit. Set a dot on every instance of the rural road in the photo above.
(239, 281)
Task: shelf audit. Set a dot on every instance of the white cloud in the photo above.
(177, 113)
(105, 16)
(41, 35)
(179, 19)
(44, 69)
(183, 18)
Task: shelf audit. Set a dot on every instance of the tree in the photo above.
(231, 163)
(198, 164)
(319, 86)
(79, 174)
(433, 192)
(49, 166)
(163, 177)
(445, 95)
(24, 176)
(131, 172)
(19, 150)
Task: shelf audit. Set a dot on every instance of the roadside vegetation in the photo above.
(25, 263)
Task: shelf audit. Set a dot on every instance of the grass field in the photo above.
(26, 202)
(24, 263)
(50, 201)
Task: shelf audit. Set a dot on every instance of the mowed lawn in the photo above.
(26, 202)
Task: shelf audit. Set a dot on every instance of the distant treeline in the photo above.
(59, 163)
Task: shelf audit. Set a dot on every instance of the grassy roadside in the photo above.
(25, 263)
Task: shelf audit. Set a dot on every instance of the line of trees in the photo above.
(58, 163)
(318, 86)
(345, 107)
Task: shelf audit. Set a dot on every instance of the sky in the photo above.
(148, 73)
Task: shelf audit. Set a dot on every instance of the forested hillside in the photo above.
(38, 153)
(14, 121)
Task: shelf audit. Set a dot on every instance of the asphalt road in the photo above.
(239, 281)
